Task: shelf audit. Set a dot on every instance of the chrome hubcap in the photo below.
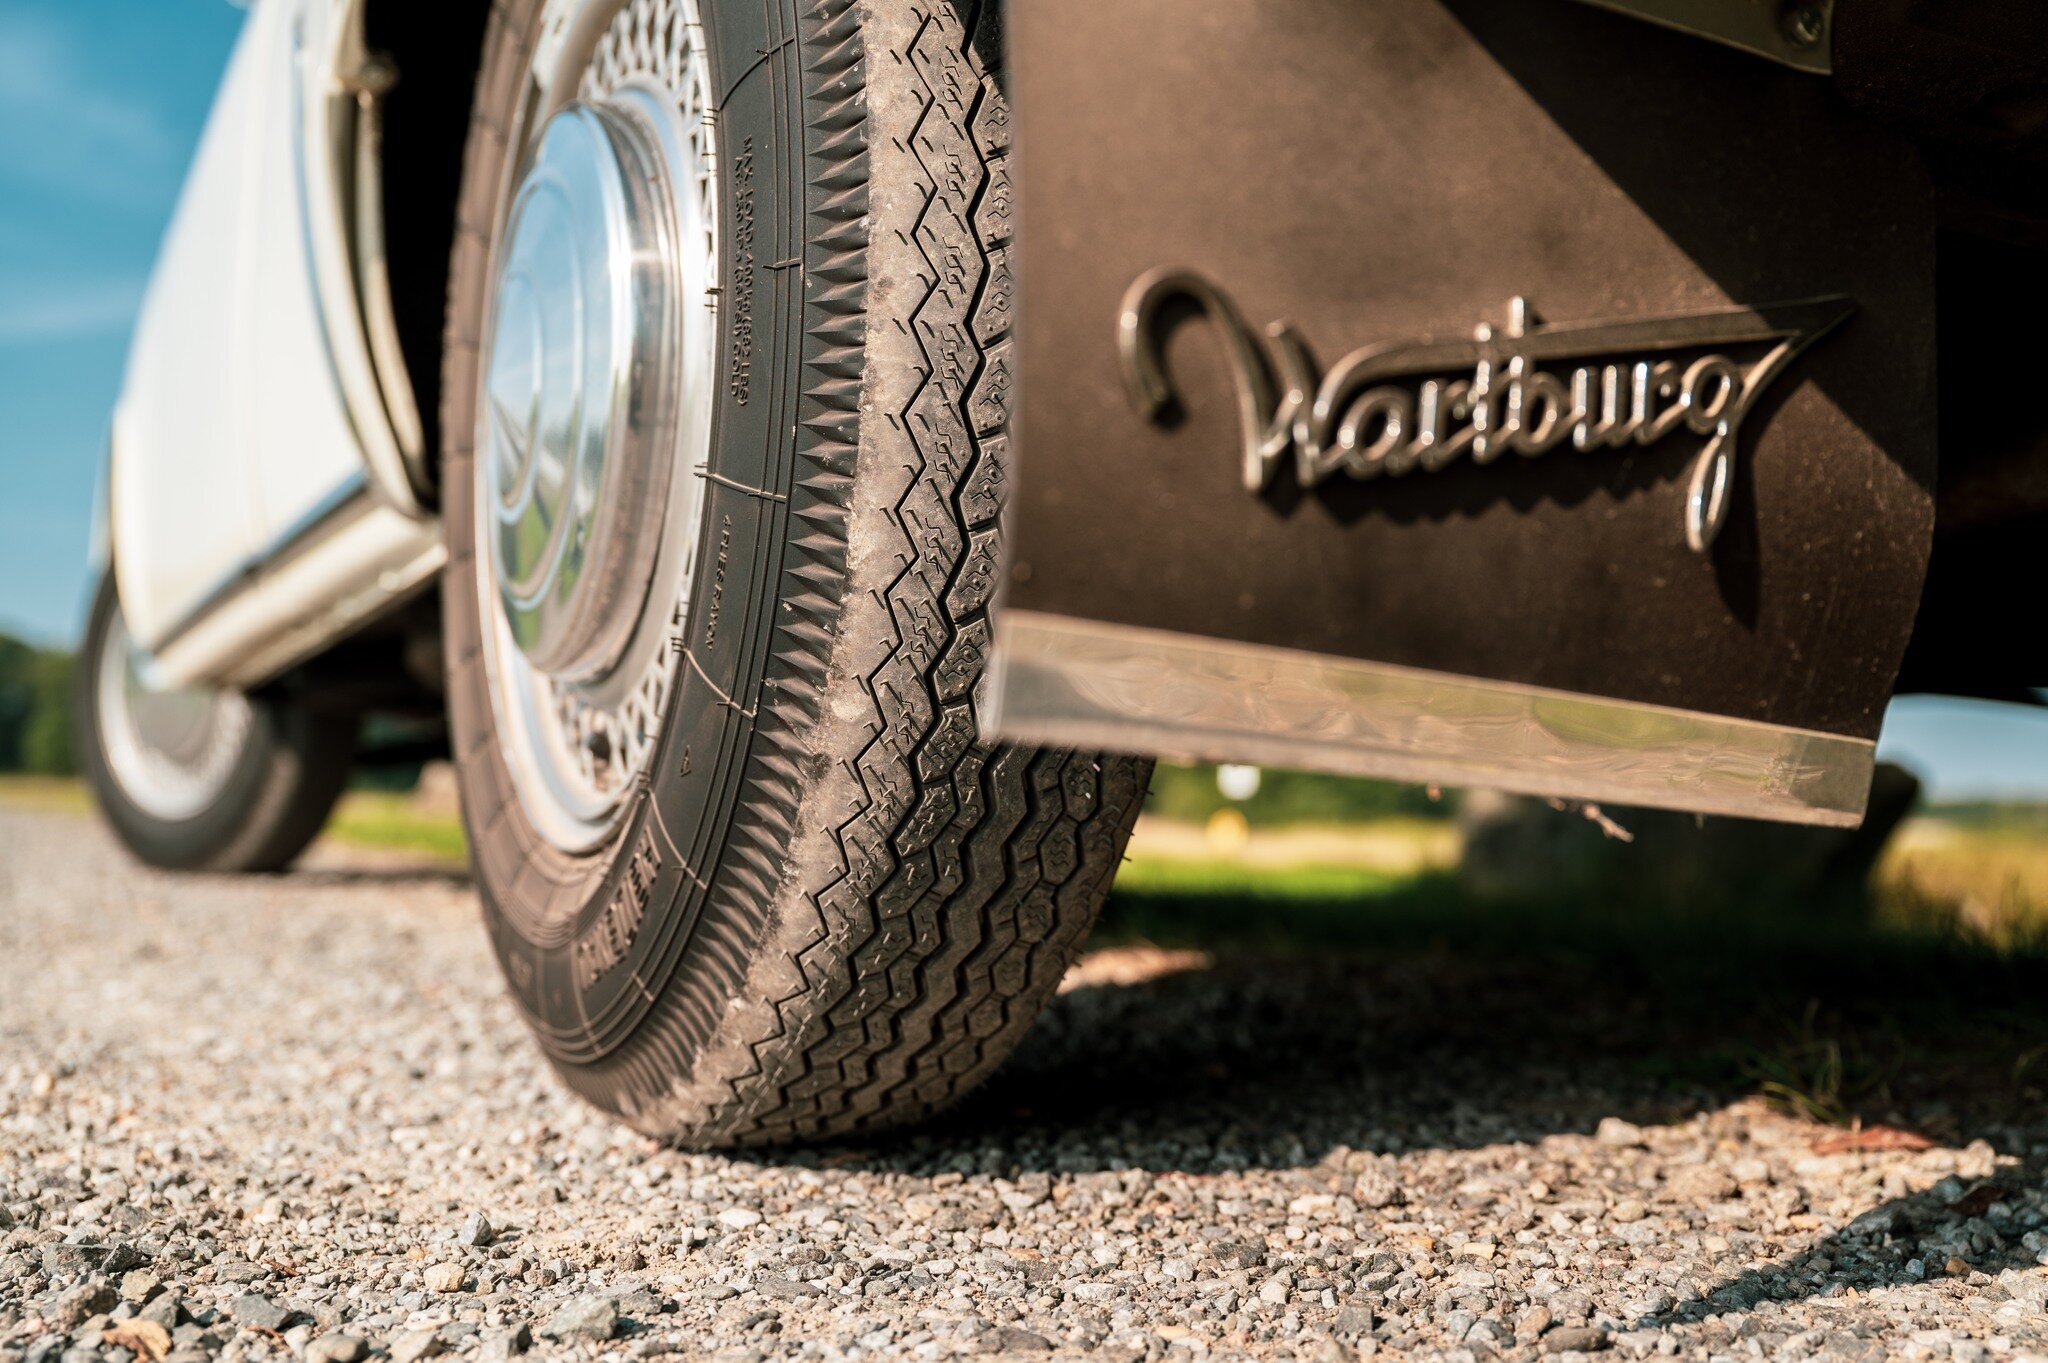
(171, 752)
(594, 419)
(578, 394)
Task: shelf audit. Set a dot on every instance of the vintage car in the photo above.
(807, 455)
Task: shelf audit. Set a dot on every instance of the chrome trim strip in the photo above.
(1056, 680)
(354, 563)
(324, 169)
(373, 275)
(1794, 33)
(280, 548)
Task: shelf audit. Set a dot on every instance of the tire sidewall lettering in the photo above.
(642, 894)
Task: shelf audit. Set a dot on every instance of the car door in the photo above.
(243, 416)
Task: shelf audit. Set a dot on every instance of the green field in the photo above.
(364, 818)
(63, 793)
(371, 818)
(1975, 873)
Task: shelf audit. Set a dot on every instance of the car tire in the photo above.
(201, 781)
(825, 906)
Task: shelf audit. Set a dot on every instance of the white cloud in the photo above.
(68, 311)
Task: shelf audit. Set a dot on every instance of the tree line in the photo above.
(35, 709)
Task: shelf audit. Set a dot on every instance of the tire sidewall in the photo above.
(666, 907)
(175, 844)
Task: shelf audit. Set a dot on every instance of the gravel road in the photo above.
(296, 1118)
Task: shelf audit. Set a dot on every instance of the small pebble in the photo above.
(139, 1285)
(1575, 1339)
(443, 1278)
(77, 1305)
(415, 1345)
(586, 1317)
(258, 1311)
(501, 1345)
(337, 1348)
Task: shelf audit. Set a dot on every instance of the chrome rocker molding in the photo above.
(346, 563)
(1055, 680)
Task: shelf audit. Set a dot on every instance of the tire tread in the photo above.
(966, 876)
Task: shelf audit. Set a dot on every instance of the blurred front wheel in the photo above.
(200, 780)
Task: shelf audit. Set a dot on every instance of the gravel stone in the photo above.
(1575, 1339)
(139, 1285)
(587, 1317)
(415, 1345)
(1270, 1156)
(1619, 1134)
(443, 1278)
(80, 1303)
(501, 1345)
(1355, 1320)
(1009, 1339)
(337, 1348)
(259, 1312)
(65, 1260)
(163, 1309)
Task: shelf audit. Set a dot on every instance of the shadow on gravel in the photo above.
(1280, 1031)
(1425, 1018)
(1907, 1240)
(1293, 1031)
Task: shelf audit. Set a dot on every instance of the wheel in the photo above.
(724, 401)
(201, 780)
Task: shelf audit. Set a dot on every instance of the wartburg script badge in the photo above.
(1421, 405)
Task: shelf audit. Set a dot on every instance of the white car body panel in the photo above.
(251, 408)
(299, 442)
(181, 500)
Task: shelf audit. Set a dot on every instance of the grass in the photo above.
(1838, 1020)
(1929, 998)
(375, 818)
(364, 818)
(1988, 880)
(1804, 1074)
(1979, 878)
(1252, 884)
(58, 794)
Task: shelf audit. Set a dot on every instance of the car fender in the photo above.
(253, 412)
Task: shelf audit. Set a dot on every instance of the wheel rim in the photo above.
(169, 752)
(594, 420)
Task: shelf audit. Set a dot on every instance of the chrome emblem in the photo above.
(1393, 409)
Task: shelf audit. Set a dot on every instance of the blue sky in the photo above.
(101, 104)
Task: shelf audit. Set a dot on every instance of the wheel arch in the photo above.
(430, 56)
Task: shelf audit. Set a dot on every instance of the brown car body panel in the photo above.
(1379, 173)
